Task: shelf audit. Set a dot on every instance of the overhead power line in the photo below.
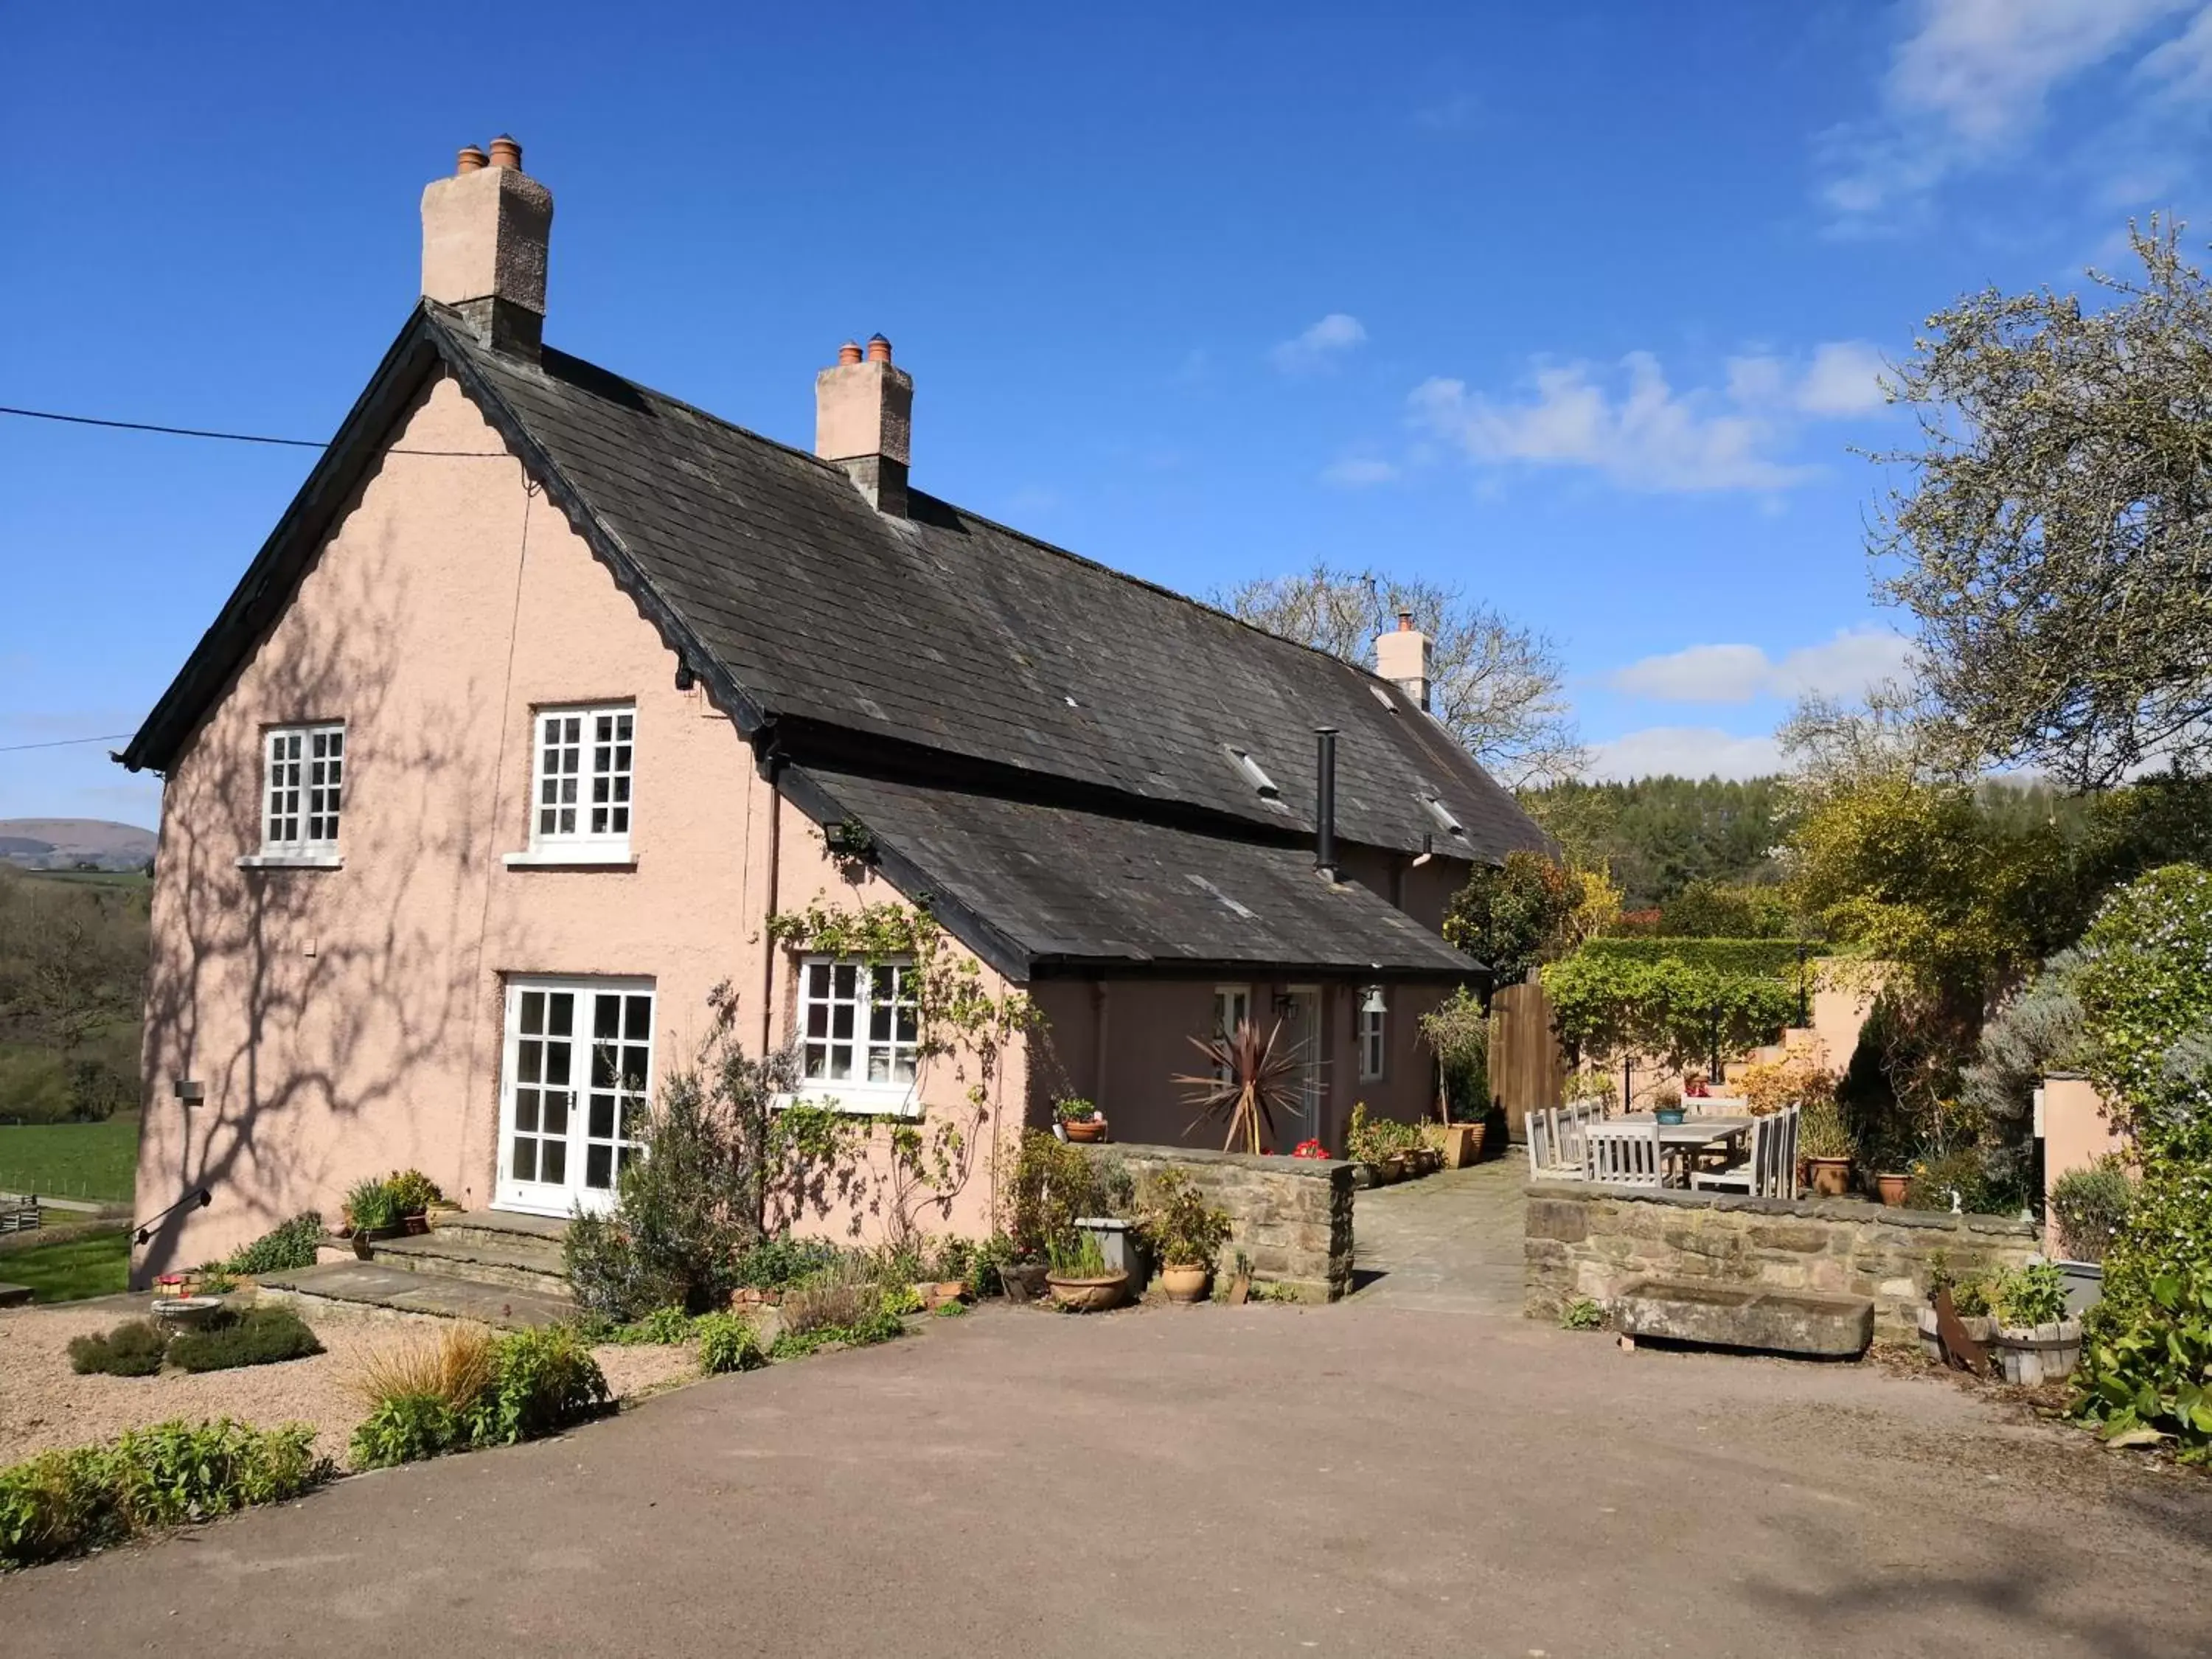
(227, 437)
(65, 743)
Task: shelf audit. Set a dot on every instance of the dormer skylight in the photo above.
(1443, 815)
(1254, 773)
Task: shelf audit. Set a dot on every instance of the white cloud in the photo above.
(1845, 666)
(1971, 82)
(1324, 343)
(1356, 471)
(1690, 752)
(1650, 436)
(2183, 64)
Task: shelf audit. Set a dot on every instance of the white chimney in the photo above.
(485, 231)
(863, 419)
(1401, 655)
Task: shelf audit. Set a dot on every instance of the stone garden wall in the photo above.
(1292, 1215)
(1592, 1241)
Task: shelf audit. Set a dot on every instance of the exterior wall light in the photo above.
(1371, 1001)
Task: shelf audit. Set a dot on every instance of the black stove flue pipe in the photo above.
(1325, 801)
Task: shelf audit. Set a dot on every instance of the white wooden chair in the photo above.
(1770, 1168)
(1625, 1154)
(1552, 1132)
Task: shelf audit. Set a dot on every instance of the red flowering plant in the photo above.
(1310, 1148)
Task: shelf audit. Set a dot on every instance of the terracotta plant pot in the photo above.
(1828, 1177)
(1089, 1295)
(1185, 1284)
(1457, 1142)
(1478, 1141)
(416, 1225)
(934, 1297)
(1891, 1188)
(1394, 1170)
(1087, 1129)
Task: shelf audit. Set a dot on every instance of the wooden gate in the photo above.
(1527, 1068)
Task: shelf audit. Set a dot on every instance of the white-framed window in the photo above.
(582, 767)
(1232, 1007)
(578, 1090)
(1370, 1032)
(302, 784)
(859, 1031)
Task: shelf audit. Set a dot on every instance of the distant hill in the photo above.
(67, 843)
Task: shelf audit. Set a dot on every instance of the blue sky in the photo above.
(1579, 306)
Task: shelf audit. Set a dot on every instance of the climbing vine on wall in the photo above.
(959, 1025)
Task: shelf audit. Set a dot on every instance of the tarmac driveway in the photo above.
(1357, 1480)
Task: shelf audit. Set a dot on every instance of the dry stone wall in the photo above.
(1292, 1215)
(1595, 1242)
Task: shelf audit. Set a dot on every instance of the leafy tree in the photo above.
(1687, 1013)
(1657, 836)
(1509, 916)
(1711, 909)
(2056, 545)
(1497, 687)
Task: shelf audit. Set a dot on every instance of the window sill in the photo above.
(290, 861)
(573, 858)
(858, 1099)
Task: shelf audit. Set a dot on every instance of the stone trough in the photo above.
(1746, 1316)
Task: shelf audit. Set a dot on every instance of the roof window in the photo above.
(1443, 815)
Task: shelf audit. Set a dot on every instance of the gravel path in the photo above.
(43, 1404)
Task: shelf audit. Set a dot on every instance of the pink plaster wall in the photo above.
(2076, 1134)
(347, 1022)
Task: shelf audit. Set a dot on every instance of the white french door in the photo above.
(576, 1085)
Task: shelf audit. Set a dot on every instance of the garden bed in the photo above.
(48, 1405)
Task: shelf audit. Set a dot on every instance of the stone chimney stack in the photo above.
(863, 415)
(484, 237)
(1402, 655)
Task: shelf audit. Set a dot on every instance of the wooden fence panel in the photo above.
(1527, 1068)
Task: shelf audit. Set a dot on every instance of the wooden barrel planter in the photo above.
(1980, 1326)
(2030, 1355)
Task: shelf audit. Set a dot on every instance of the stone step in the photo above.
(519, 1261)
(499, 1227)
(378, 1284)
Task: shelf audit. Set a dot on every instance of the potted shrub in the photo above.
(2088, 1207)
(1824, 1140)
(1184, 1234)
(2036, 1340)
(1079, 1278)
(412, 1194)
(1079, 1120)
(370, 1213)
(1367, 1144)
(1457, 1031)
(1667, 1103)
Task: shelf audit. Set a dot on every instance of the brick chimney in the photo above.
(1402, 655)
(484, 235)
(863, 413)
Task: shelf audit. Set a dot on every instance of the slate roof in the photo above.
(942, 648)
(1057, 890)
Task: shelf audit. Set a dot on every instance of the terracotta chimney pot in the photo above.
(506, 152)
(849, 353)
(1405, 622)
(879, 348)
(469, 160)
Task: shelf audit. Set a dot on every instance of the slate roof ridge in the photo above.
(453, 319)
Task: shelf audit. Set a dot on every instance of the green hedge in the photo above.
(1775, 958)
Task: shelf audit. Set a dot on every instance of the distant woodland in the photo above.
(73, 952)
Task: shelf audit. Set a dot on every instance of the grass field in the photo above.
(97, 1265)
(71, 1160)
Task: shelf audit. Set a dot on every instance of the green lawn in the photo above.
(97, 1265)
(71, 1160)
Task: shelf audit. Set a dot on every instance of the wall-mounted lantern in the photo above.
(191, 1092)
(1370, 1001)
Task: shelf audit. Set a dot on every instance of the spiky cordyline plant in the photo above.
(1250, 1081)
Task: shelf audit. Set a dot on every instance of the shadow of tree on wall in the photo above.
(305, 1001)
